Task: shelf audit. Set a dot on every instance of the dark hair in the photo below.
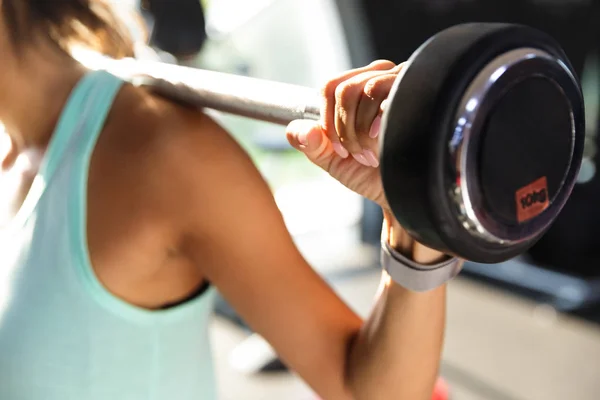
(92, 23)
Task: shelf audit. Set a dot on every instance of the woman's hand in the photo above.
(345, 142)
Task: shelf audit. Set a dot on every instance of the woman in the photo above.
(121, 207)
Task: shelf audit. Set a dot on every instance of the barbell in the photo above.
(481, 141)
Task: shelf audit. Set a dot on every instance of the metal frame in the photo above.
(564, 292)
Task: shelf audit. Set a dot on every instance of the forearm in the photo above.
(397, 352)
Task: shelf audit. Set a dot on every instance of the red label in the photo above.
(532, 199)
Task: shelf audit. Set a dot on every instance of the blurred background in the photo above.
(526, 329)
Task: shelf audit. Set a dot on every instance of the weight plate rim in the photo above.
(481, 90)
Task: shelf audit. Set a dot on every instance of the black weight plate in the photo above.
(552, 130)
(530, 146)
(414, 153)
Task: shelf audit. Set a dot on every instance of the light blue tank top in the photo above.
(63, 336)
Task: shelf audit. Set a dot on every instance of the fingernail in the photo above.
(375, 127)
(371, 158)
(361, 159)
(384, 105)
(340, 150)
(302, 139)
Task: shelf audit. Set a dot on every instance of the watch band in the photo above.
(414, 276)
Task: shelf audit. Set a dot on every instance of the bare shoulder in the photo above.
(149, 129)
(155, 124)
(180, 154)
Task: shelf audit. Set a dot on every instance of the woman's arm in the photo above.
(233, 231)
(397, 352)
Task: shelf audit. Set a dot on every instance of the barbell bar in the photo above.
(481, 142)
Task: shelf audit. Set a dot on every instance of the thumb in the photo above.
(309, 138)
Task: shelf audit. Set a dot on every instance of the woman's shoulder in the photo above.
(152, 121)
(148, 129)
(173, 149)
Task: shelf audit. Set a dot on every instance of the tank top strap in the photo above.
(84, 113)
(84, 121)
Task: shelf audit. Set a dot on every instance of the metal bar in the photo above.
(255, 98)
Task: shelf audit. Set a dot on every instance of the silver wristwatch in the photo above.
(414, 276)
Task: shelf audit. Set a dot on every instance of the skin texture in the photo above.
(174, 201)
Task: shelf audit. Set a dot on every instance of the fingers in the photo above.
(309, 138)
(352, 104)
(348, 116)
(329, 100)
(370, 107)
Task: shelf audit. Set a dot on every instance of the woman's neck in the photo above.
(35, 87)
